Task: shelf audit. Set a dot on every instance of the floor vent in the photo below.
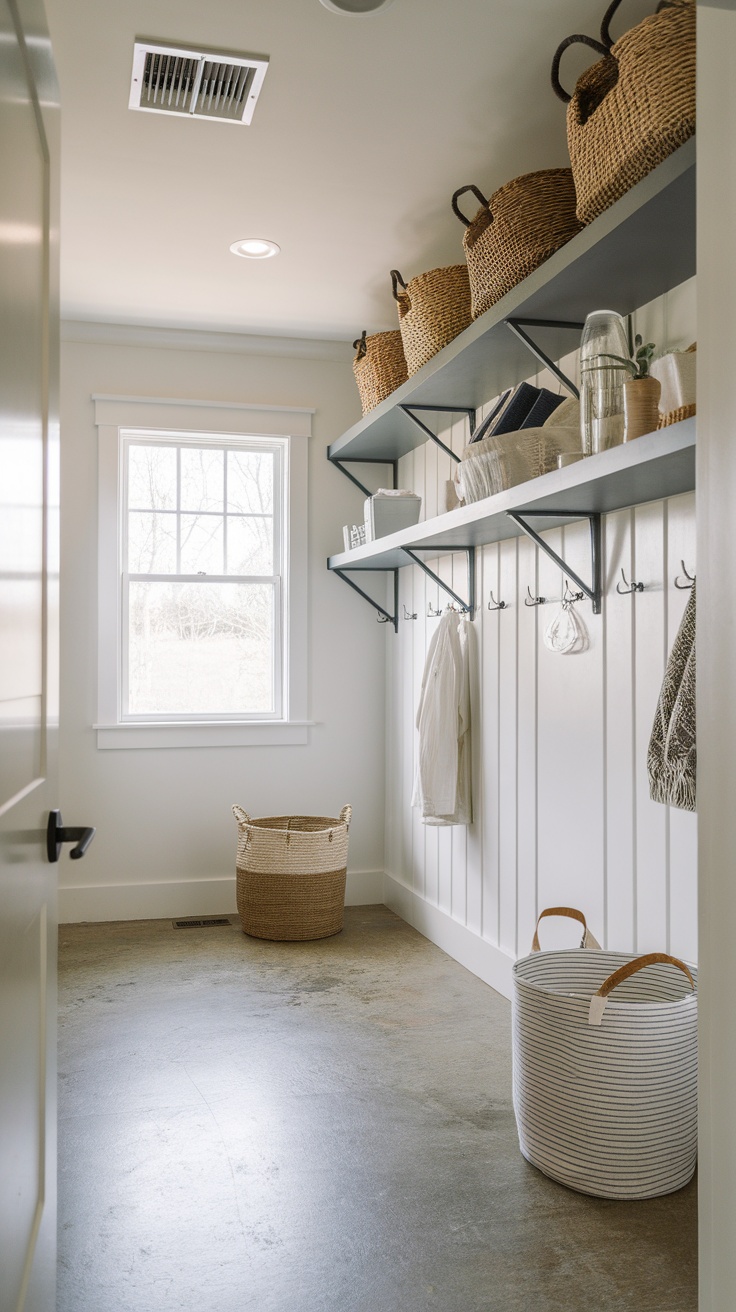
(195, 84)
(201, 924)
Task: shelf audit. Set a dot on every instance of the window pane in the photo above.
(151, 477)
(200, 648)
(151, 543)
(202, 473)
(249, 544)
(250, 482)
(201, 544)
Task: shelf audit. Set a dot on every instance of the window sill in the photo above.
(265, 733)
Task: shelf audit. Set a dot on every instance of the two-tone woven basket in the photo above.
(632, 108)
(379, 367)
(605, 1067)
(291, 872)
(522, 224)
(433, 308)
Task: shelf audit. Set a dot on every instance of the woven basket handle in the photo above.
(587, 941)
(461, 192)
(558, 89)
(360, 346)
(346, 815)
(396, 278)
(241, 816)
(598, 1000)
(606, 37)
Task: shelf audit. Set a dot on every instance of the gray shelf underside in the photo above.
(652, 467)
(641, 247)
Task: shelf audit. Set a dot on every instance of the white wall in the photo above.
(716, 639)
(561, 804)
(165, 841)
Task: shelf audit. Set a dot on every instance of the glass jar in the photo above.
(602, 381)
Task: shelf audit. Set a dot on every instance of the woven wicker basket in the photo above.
(522, 224)
(433, 308)
(676, 416)
(291, 872)
(379, 367)
(632, 108)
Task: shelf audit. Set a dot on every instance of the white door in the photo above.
(28, 657)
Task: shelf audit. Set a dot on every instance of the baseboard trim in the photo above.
(476, 954)
(175, 898)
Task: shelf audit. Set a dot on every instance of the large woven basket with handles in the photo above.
(433, 308)
(379, 366)
(522, 224)
(632, 108)
(291, 872)
(605, 1068)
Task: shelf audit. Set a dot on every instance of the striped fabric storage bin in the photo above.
(605, 1070)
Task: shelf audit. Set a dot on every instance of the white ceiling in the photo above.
(364, 128)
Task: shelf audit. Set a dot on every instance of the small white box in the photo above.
(386, 514)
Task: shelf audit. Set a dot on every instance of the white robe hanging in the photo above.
(442, 789)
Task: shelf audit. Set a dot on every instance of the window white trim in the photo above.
(228, 419)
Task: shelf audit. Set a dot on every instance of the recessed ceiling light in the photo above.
(356, 6)
(255, 248)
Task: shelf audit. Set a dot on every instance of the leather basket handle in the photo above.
(587, 941)
(396, 278)
(360, 346)
(557, 87)
(606, 37)
(461, 192)
(599, 998)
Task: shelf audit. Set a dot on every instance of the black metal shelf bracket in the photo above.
(517, 327)
(468, 607)
(592, 591)
(359, 460)
(383, 615)
(408, 410)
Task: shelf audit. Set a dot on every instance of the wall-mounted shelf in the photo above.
(640, 248)
(658, 465)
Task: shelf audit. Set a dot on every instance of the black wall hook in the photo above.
(628, 587)
(685, 587)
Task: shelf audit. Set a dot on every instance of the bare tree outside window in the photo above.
(203, 586)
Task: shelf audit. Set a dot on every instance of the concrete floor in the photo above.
(318, 1127)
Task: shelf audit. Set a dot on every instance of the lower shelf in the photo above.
(651, 468)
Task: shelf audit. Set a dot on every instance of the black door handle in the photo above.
(56, 834)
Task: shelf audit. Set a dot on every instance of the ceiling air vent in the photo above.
(169, 80)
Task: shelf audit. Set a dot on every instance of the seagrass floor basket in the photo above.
(291, 872)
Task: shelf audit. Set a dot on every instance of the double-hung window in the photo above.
(203, 639)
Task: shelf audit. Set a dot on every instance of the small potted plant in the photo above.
(641, 391)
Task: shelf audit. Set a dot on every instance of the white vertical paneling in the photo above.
(683, 833)
(561, 804)
(620, 780)
(487, 733)
(649, 659)
(527, 721)
(509, 585)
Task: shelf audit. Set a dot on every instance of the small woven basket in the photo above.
(291, 873)
(522, 224)
(379, 367)
(433, 308)
(634, 107)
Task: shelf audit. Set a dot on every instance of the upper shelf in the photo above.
(640, 248)
(652, 467)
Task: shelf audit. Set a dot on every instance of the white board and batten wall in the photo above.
(562, 814)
